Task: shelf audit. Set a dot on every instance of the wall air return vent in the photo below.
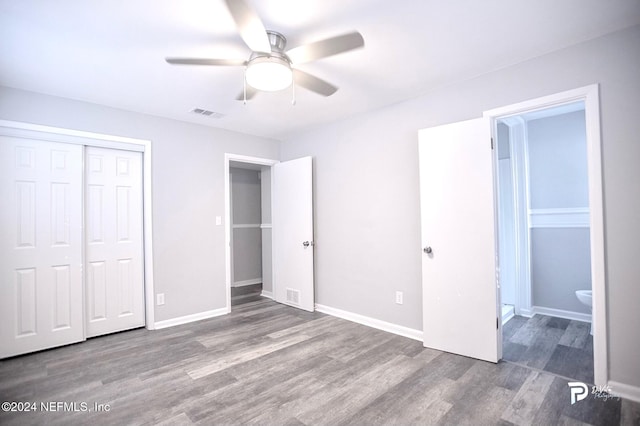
(293, 296)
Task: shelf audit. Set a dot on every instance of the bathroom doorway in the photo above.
(544, 239)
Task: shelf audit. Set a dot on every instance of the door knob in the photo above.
(307, 244)
(427, 250)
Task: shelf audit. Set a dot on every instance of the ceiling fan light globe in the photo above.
(269, 74)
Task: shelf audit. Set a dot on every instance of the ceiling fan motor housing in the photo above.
(270, 71)
(277, 41)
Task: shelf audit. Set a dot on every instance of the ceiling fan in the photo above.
(269, 67)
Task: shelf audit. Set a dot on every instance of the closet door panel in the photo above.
(40, 245)
(114, 250)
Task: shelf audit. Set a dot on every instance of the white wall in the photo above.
(366, 186)
(188, 190)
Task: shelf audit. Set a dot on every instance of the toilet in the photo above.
(584, 296)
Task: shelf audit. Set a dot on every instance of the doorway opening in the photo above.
(548, 186)
(247, 218)
(287, 256)
(250, 223)
(543, 235)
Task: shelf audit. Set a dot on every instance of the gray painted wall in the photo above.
(558, 161)
(560, 265)
(558, 178)
(247, 198)
(367, 213)
(246, 208)
(188, 189)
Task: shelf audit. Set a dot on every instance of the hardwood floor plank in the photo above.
(180, 419)
(571, 362)
(316, 327)
(247, 330)
(528, 400)
(576, 335)
(421, 395)
(241, 356)
(356, 395)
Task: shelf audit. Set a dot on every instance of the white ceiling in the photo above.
(112, 52)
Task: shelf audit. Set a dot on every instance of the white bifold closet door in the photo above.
(114, 251)
(40, 245)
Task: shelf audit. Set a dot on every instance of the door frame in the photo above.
(78, 137)
(590, 96)
(228, 157)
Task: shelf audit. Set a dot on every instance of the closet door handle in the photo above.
(427, 250)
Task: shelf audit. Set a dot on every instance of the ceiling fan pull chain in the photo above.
(244, 86)
(293, 92)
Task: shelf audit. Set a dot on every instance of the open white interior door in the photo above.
(459, 282)
(292, 206)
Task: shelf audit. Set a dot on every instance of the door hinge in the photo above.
(497, 323)
(491, 143)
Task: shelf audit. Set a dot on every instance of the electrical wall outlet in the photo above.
(399, 297)
(160, 299)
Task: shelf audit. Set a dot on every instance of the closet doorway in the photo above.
(292, 246)
(250, 214)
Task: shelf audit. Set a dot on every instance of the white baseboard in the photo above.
(625, 391)
(527, 313)
(371, 322)
(267, 294)
(247, 282)
(570, 315)
(506, 316)
(190, 318)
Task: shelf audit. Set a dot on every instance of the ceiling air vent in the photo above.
(207, 113)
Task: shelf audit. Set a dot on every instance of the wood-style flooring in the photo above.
(270, 364)
(556, 345)
(245, 294)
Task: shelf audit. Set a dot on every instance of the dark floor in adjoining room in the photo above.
(556, 345)
(271, 364)
(245, 294)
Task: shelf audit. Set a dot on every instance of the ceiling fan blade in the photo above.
(314, 83)
(250, 26)
(203, 61)
(324, 48)
(251, 92)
